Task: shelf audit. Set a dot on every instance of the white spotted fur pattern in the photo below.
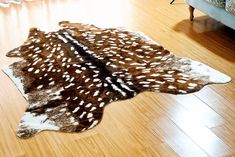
(70, 75)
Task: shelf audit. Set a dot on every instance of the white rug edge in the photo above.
(18, 82)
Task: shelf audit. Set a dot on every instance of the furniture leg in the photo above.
(191, 10)
(172, 1)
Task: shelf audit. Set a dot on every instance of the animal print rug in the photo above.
(70, 75)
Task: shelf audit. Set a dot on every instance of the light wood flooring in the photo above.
(151, 124)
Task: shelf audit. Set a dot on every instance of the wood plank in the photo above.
(199, 109)
(220, 104)
(177, 139)
(158, 151)
(9, 146)
(193, 128)
(226, 133)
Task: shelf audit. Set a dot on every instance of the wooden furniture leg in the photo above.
(172, 1)
(191, 10)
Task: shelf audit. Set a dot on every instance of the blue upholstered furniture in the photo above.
(221, 10)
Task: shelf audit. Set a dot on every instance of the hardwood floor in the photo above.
(151, 124)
